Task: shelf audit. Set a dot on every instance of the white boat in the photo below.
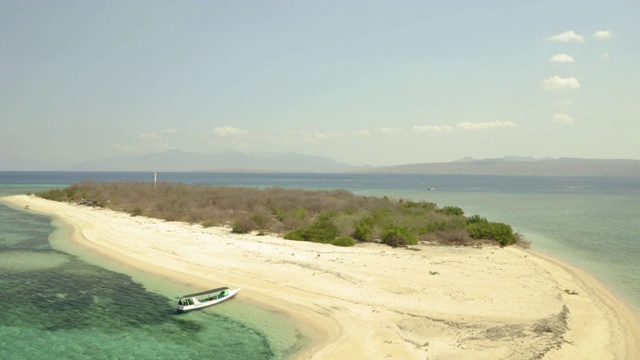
(205, 298)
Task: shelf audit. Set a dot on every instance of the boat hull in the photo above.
(204, 304)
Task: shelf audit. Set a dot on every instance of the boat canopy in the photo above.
(205, 292)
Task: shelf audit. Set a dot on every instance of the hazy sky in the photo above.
(363, 82)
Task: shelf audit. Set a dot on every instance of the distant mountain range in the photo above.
(235, 161)
(510, 165)
(225, 161)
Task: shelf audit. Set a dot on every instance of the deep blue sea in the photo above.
(66, 305)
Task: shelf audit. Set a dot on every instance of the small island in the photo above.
(391, 291)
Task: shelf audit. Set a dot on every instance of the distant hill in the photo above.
(235, 161)
(520, 166)
(228, 160)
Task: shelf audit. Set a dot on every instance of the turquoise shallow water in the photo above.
(60, 307)
(64, 302)
(72, 308)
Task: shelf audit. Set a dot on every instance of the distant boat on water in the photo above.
(205, 299)
(431, 189)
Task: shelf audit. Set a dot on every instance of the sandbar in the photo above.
(372, 301)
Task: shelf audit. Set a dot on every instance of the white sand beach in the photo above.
(373, 301)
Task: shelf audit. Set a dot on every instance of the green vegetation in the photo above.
(480, 228)
(322, 230)
(451, 210)
(399, 236)
(335, 217)
(343, 241)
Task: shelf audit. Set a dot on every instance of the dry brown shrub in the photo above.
(262, 218)
(290, 223)
(346, 223)
(211, 223)
(522, 242)
(243, 225)
(456, 236)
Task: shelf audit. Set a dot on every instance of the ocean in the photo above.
(64, 303)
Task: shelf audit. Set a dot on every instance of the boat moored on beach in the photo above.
(205, 298)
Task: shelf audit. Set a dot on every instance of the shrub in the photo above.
(261, 219)
(399, 236)
(381, 216)
(451, 210)
(437, 222)
(136, 211)
(419, 205)
(346, 222)
(243, 225)
(291, 219)
(364, 229)
(343, 241)
(476, 219)
(458, 236)
(500, 232)
(522, 242)
(57, 194)
(210, 223)
(322, 231)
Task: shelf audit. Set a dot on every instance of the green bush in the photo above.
(418, 205)
(282, 214)
(364, 229)
(136, 211)
(322, 231)
(381, 216)
(451, 210)
(440, 222)
(57, 194)
(476, 219)
(399, 236)
(343, 241)
(500, 232)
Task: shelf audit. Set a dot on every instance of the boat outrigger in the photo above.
(205, 298)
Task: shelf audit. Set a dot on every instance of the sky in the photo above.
(361, 82)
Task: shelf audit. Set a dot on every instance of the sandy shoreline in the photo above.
(372, 301)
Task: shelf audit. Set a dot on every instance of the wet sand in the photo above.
(372, 301)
